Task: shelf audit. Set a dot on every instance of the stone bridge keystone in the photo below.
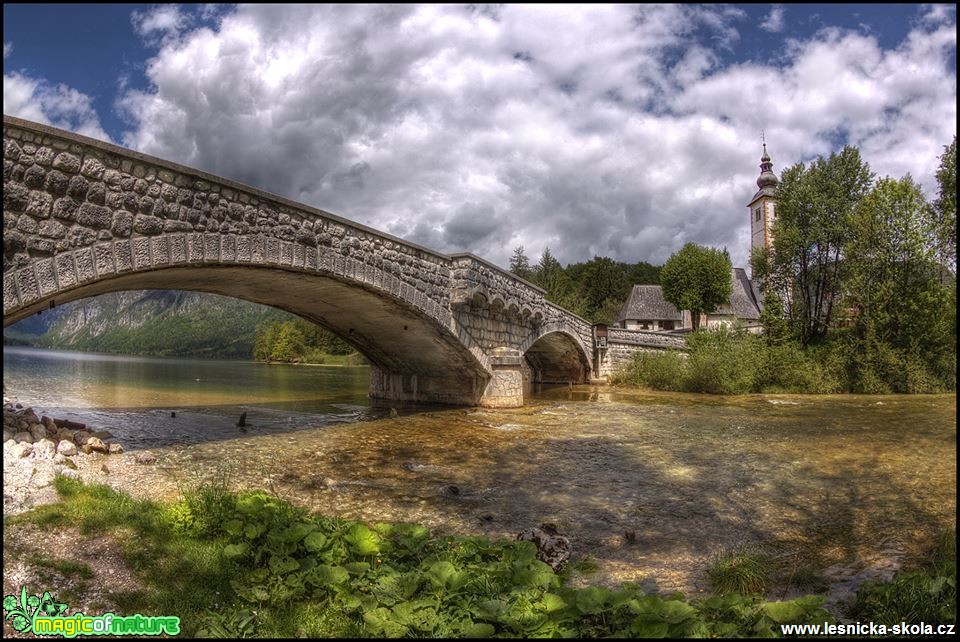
(82, 217)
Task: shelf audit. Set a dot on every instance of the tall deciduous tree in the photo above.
(698, 279)
(895, 275)
(945, 207)
(810, 236)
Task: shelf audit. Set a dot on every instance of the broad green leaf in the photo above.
(233, 527)
(298, 531)
(357, 568)
(781, 612)
(675, 611)
(551, 602)
(643, 628)
(478, 630)
(591, 600)
(315, 541)
(283, 564)
(233, 551)
(254, 530)
(363, 540)
(325, 575)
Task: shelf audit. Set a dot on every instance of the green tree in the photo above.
(697, 278)
(289, 345)
(520, 264)
(810, 236)
(945, 207)
(602, 287)
(906, 318)
(551, 276)
(266, 337)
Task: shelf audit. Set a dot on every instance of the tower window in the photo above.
(756, 213)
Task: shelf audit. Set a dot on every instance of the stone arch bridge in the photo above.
(82, 217)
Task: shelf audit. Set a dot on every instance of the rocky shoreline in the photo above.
(37, 448)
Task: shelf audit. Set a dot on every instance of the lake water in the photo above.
(844, 483)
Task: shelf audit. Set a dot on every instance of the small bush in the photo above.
(742, 570)
(657, 370)
(723, 362)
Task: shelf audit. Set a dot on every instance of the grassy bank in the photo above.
(732, 363)
(251, 565)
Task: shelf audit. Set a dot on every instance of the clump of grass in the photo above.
(809, 580)
(204, 508)
(741, 570)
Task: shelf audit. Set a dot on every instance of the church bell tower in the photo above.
(762, 206)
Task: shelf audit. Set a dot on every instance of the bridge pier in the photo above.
(505, 388)
(397, 387)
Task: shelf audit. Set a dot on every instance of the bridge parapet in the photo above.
(481, 284)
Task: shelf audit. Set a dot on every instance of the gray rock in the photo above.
(38, 431)
(80, 437)
(69, 473)
(23, 438)
(67, 448)
(44, 449)
(94, 444)
(22, 449)
(103, 434)
(7, 435)
(115, 449)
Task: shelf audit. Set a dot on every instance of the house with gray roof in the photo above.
(646, 309)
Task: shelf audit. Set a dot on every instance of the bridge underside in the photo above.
(413, 358)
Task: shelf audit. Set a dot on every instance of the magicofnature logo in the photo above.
(43, 615)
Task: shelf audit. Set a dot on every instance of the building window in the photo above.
(757, 212)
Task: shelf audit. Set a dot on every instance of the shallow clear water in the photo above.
(843, 482)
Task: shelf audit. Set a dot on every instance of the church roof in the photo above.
(646, 302)
(744, 303)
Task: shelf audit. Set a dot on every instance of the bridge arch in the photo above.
(555, 355)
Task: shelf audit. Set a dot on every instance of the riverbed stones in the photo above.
(44, 449)
(23, 438)
(69, 473)
(115, 449)
(94, 444)
(67, 448)
(145, 458)
(553, 549)
(38, 432)
(22, 449)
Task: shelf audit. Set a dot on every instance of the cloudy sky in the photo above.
(621, 131)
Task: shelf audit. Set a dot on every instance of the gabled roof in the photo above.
(743, 303)
(646, 302)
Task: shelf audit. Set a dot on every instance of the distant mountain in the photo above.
(150, 322)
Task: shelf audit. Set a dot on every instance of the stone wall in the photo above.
(622, 344)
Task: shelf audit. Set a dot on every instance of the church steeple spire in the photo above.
(767, 177)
